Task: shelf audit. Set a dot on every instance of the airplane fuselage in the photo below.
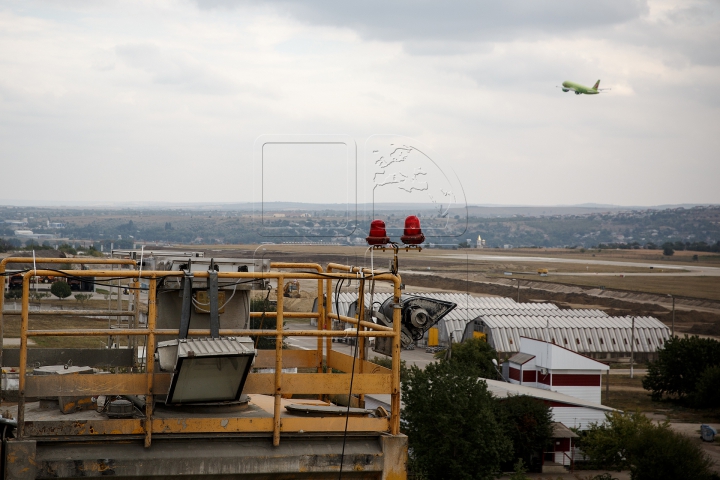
(578, 89)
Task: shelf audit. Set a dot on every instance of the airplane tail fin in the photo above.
(597, 84)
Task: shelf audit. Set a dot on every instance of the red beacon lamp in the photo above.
(378, 235)
(413, 233)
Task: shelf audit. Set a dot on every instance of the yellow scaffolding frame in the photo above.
(368, 378)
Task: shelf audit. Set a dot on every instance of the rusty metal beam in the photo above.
(93, 357)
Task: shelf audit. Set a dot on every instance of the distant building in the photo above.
(589, 332)
(480, 242)
(552, 367)
(55, 224)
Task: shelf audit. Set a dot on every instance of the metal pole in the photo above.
(150, 359)
(607, 386)
(672, 332)
(518, 280)
(2, 300)
(632, 347)
(278, 361)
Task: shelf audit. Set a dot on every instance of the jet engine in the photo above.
(565, 90)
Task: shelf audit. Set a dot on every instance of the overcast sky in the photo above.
(163, 100)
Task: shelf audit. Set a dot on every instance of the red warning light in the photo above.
(378, 235)
(413, 234)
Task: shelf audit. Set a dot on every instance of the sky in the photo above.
(168, 101)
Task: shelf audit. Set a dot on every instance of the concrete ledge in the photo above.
(296, 457)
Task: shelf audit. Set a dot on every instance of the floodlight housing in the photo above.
(417, 316)
(207, 370)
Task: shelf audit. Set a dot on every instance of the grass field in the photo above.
(696, 287)
(11, 329)
(628, 395)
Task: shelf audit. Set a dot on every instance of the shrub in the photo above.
(60, 289)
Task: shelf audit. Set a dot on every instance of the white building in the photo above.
(552, 367)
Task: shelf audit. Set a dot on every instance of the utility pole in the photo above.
(672, 329)
(518, 282)
(632, 347)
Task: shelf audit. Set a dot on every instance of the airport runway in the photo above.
(692, 270)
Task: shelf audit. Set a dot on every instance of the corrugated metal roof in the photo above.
(503, 389)
(454, 323)
(521, 358)
(579, 334)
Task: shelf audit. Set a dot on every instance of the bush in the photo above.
(263, 323)
(659, 453)
(387, 363)
(60, 289)
(651, 452)
(451, 424)
(81, 298)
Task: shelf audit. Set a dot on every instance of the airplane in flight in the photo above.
(578, 89)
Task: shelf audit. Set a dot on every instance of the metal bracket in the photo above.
(214, 304)
(186, 305)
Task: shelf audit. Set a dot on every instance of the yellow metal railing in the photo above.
(368, 378)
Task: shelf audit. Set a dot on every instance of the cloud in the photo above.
(463, 20)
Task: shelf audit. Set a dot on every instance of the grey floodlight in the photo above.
(209, 370)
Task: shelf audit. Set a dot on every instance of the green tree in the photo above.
(658, 453)
(607, 444)
(668, 249)
(707, 389)
(680, 364)
(473, 357)
(451, 424)
(60, 289)
(651, 452)
(528, 423)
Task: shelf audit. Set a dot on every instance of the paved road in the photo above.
(691, 269)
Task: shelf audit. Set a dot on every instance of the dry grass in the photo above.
(628, 395)
(52, 322)
(696, 287)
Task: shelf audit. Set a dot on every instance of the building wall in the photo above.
(576, 417)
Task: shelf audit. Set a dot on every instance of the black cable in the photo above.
(352, 378)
